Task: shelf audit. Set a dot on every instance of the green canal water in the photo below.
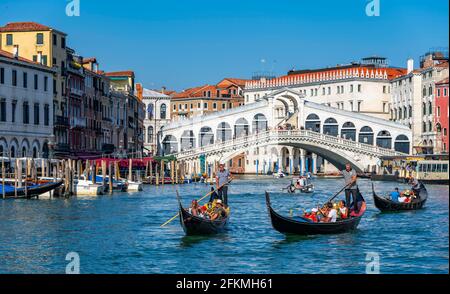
(121, 234)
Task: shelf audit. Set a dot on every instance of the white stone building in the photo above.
(412, 100)
(157, 115)
(26, 107)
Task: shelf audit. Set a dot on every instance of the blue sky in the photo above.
(184, 43)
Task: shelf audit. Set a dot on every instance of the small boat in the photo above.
(279, 174)
(134, 186)
(117, 184)
(300, 185)
(385, 204)
(28, 191)
(193, 225)
(302, 226)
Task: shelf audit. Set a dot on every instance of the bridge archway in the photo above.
(384, 139)
(402, 144)
(170, 144)
(348, 131)
(241, 128)
(331, 127)
(259, 123)
(206, 137)
(366, 135)
(187, 140)
(223, 132)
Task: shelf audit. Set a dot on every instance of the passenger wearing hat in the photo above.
(222, 178)
(219, 211)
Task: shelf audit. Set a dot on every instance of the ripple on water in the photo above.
(121, 234)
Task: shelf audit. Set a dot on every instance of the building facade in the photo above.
(441, 114)
(26, 112)
(413, 100)
(157, 115)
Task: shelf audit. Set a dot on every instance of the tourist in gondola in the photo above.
(329, 213)
(343, 210)
(219, 211)
(351, 185)
(195, 208)
(222, 178)
(395, 195)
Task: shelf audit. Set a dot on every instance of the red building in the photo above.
(441, 116)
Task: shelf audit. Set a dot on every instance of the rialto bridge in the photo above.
(284, 131)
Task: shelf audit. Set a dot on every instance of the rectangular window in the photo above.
(63, 42)
(25, 80)
(2, 75)
(359, 88)
(3, 110)
(14, 77)
(214, 105)
(13, 112)
(45, 84)
(26, 113)
(44, 59)
(39, 39)
(205, 105)
(35, 81)
(9, 39)
(36, 113)
(55, 39)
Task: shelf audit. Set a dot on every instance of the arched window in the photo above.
(24, 151)
(330, 127)
(223, 132)
(187, 140)
(259, 123)
(150, 134)
(438, 128)
(170, 145)
(206, 137)
(402, 144)
(348, 131)
(45, 150)
(366, 135)
(163, 111)
(150, 110)
(313, 123)
(13, 151)
(384, 140)
(35, 152)
(241, 128)
(1, 150)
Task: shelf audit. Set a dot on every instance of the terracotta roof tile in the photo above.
(127, 73)
(11, 56)
(23, 27)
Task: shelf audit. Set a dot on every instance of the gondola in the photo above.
(385, 204)
(29, 191)
(308, 188)
(193, 225)
(301, 226)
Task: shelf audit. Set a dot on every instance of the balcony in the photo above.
(61, 121)
(78, 122)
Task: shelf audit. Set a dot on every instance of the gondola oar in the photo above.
(335, 195)
(208, 194)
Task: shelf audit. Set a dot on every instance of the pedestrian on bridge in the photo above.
(223, 177)
(351, 186)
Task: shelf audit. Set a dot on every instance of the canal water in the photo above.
(122, 234)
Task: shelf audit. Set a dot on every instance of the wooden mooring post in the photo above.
(3, 178)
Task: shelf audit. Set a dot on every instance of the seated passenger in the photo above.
(195, 208)
(404, 196)
(311, 215)
(219, 211)
(343, 210)
(330, 214)
(395, 195)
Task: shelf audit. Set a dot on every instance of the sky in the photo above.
(185, 43)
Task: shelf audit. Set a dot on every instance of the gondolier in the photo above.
(222, 178)
(351, 185)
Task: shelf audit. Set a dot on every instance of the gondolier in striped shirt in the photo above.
(222, 178)
(351, 186)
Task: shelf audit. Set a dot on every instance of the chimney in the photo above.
(16, 51)
(39, 57)
(139, 90)
(410, 65)
(163, 90)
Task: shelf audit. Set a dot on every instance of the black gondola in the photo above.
(385, 204)
(193, 225)
(30, 191)
(288, 225)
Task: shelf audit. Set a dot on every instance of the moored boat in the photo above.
(302, 226)
(300, 185)
(30, 191)
(385, 204)
(194, 225)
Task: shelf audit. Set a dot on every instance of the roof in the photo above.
(25, 27)
(153, 94)
(90, 59)
(443, 82)
(11, 56)
(239, 82)
(126, 73)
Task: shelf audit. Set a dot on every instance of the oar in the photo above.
(335, 195)
(208, 194)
